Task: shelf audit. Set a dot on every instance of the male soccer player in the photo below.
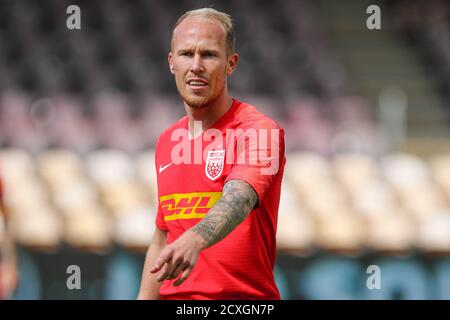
(219, 172)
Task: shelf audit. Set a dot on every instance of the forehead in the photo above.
(194, 31)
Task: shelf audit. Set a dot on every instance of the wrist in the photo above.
(199, 242)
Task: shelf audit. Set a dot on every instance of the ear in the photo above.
(232, 63)
(170, 60)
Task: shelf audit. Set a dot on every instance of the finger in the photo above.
(161, 272)
(162, 259)
(180, 267)
(183, 277)
(165, 271)
(171, 265)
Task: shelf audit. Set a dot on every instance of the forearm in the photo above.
(238, 199)
(237, 202)
(149, 289)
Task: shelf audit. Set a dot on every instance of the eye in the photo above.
(185, 54)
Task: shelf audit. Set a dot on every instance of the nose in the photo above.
(197, 64)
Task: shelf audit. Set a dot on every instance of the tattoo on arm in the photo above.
(237, 200)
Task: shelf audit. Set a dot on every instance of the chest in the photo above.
(185, 165)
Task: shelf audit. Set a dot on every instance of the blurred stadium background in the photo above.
(367, 119)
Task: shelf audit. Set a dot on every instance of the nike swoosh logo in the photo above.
(161, 168)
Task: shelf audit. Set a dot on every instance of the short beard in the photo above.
(198, 102)
(201, 102)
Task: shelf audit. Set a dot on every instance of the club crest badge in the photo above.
(214, 164)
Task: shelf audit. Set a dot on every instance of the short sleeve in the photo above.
(259, 153)
(159, 221)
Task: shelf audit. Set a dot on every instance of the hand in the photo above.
(179, 257)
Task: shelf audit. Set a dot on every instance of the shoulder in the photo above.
(248, 116)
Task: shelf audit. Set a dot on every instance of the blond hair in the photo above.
(209, 13)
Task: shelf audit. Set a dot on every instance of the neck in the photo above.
(209, 114)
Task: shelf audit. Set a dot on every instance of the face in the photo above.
(200, 62)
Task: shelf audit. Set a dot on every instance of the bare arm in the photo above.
(237, 201)
(149, 289)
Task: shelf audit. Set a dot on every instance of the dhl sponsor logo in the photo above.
(188, 205)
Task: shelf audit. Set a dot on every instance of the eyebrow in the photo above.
(205, 51)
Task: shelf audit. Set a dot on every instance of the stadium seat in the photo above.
(392, 232)
(134, 229)
(89, 229)
(40, 229)
(107, 167)
(434, 233)
(341, 232)
(296, 228)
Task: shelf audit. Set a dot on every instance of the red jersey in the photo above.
(243, 144)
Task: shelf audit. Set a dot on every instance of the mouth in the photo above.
(197, 84)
